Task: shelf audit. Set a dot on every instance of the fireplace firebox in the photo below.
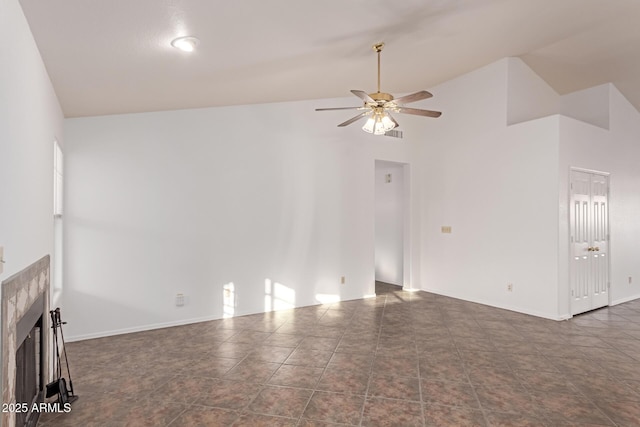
(29, 384)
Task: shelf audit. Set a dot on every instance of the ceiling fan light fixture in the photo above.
(185, 44)
(387, 123)
(378, 124)
(378, 128)
(378, 106)
(369, 125)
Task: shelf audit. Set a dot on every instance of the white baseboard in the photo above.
(623, 300)
(181, 322)
(616, 302)
(139, 328)
(504, 307)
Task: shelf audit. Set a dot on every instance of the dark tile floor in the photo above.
(400, 359)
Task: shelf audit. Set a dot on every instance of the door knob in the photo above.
(596, 248)
(590, 249)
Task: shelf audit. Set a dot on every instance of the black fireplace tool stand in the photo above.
(59, 385)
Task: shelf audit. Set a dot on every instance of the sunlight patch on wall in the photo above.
(229, 300)
(327, 298)
(278, 296)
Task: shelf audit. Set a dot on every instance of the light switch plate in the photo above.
(446, 229)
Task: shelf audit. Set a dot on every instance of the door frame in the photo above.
(406, 222)
(570, 255)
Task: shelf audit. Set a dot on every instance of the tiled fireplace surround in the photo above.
(19, 292)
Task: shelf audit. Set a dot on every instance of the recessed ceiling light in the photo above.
(186, 44)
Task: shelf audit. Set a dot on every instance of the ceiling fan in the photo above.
(378, 106)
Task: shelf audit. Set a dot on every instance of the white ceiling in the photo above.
(114, 56)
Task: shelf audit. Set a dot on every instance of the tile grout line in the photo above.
(466, 371)
(532, 332)
(315, 323)
(261, 385)
(415, 343)
(315, 389)
(375, 354)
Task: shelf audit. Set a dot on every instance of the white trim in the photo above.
(504, 307)
(593, 171)
(140, 328)
(570, 254)
(406, 226)
(625, 299)
(153, 326)
(389, 282)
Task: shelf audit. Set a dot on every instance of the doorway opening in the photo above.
(392, 224)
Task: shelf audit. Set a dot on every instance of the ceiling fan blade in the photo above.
(423, 94)
(363, 95)
(417, 112)
(353, 119)
(337, 108)
(393, 120)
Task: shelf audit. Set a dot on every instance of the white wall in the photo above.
(625, 198)
(590, 105)
(389, 222)
(504, 189)
(30, 119)
(529, 97)
(615, 151)
(188, 201)
(496, 186)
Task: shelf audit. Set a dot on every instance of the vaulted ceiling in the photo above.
(114, 56)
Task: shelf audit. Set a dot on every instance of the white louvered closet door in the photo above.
(589, 225)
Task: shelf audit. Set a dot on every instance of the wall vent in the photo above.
(394, 133)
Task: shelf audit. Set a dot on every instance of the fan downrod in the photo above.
(380, 96)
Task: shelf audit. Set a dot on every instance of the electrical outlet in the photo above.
(343, 280)
(509, 287)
